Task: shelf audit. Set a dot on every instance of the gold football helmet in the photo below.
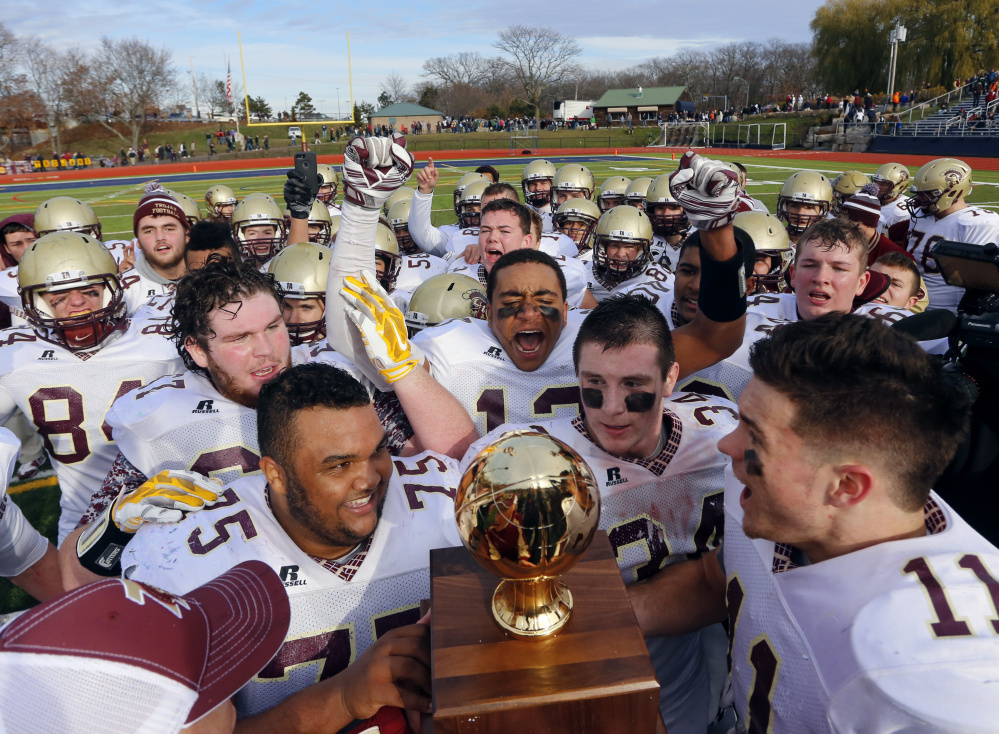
(572, 177)
(770, 238)
(399, 218)
(809, 188)
(637, 189)
(319, 217)
(892, 180)
(66, 214)
(191, 209)
(443, 297)
(667, 216)
(62, 261)
(846, 185)
(576, 219)
(612, 192)
(254, 211)
(622, 225)
(537, 170)
(331, 183)
(403, 194)
(938, 185)
(221, 202)
(471, 196)
(463, 182)
(387, 251)
(301, 271)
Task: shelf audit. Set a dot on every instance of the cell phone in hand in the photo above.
(305, 163)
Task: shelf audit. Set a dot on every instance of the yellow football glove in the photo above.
(382, 326)
(165, 498)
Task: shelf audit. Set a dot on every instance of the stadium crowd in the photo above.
(259, 414)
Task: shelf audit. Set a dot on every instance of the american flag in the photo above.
(228, 83)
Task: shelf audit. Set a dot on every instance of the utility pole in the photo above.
(895, 37)
(195, 85)
(338, 117)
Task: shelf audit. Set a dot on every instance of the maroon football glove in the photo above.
(373, 168)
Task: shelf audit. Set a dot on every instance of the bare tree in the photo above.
(18, 105)
(52, 76)
(394, 89)
(129, 80)
(538, 59)
(467, 67)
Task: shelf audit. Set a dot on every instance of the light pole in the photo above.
(740, 79)
(896, 37)
(338, 116)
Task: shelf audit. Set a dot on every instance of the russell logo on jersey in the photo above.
(289, 575)
(495, 353)
(48, 356)
(614, 476)
(205, 406)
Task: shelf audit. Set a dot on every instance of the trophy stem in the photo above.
(532, 608)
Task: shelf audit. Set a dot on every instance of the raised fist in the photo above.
(707, 190)
(373, 168)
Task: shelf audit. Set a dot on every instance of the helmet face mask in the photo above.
(771, 240)
(470, 204)
(331, 183)
(398, 216)
(320, 224)
(572, 180)
(576, 219)
(892, 180)
(536, 183)
(939, 185)
(665, 213)
(612, 192)
(66, 214)
(256, 212)
(846, 185)
(221, 203)
(626, 228)
(804, 188)
(68, 261)
(464, 181)
(387, 255)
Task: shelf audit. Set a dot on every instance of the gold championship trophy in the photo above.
(538, 652)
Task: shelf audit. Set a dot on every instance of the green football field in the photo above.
(115, 202)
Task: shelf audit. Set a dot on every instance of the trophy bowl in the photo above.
(527, 507)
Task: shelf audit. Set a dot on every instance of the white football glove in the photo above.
(165, 498)
(382, 326)
(373, 168)
(707, 190)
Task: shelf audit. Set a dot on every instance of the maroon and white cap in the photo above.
(864, 206)
(157, 202)
(121, 656)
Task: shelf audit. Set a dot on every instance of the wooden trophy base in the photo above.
(593, 676)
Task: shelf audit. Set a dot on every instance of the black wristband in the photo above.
(722, 297)
(101, 545)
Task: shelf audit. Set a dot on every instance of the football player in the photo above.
(210, 240)
(939, 212)
(301, 271)
(161, 231)
(746, 202)
(403, 194)
(329, 512)
(79, 355)
(416, 266)
(508, 226)
(16, 233)
(536, 185)
(774, 253)
(654, 454)
(259, 227)
(669, 224)
(864, 210)
(430, 239)
(27, 559)
(905, 289)
(636, 192)
(191, 209)
(622, 254)
(855, 597)
(221, 201)
(846, 185)
(329, 187)
(612, 192)
(892, 180)
(804, 199)
(572, 181)
(576, 219)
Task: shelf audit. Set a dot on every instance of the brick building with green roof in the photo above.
(645, 104)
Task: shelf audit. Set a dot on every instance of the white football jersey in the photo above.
(118, 248)
(664, 254)
(972, 225)
(898, 637)
(651, 274)
(334, 209)
(894, 222)
(657, 512)
(573, 270)
(417, 268)
(66, 396)
(338, 608)
(10, 297)
(21, 546)
(469, 362)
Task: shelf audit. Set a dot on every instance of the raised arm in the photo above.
(709, 194)
(426, 236)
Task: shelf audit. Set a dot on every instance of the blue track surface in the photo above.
(261, 172)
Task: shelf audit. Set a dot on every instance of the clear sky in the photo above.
(303, 47)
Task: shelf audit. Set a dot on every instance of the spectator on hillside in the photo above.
(977, 89)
